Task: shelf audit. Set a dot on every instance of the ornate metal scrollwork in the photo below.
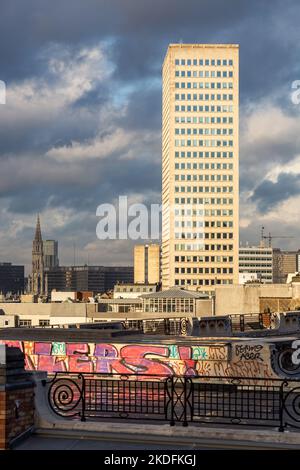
(291, 406)
(66, 396)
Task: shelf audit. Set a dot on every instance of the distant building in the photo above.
(147, 264)
(50, 249)
(176, 300)
(247, 277)
(284, 263)
(257, 260)
(37, 277)
(77, 296)
(117, 275)
(96, 279)
(133, 291)
(11, 279)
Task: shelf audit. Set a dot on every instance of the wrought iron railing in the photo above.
(253, 321)
(161, 326)
(210, 400)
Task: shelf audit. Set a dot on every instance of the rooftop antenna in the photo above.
(262, 238)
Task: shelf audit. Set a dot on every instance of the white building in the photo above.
(200, 166)
(258, 261)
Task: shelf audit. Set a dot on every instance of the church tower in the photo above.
(37, 282)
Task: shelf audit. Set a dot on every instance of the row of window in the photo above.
(203, 270)
(207, 85)
(202, 259)
(205, 131)
(208, 109)
(202, 177)
(203, 166)
(206, 62)
(203, 97)
(28, 323)
(203, 143)
(203, 189)
(207, 223)
(204, 73)
(201, 235)
(203, 154)
(248, 253)
(202, 282)
(253, 265)
(204, 120)
(202, 247)
(206, 212)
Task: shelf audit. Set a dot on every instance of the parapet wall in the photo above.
(232, 358)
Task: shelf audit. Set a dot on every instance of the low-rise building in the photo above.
(147, 264)
(73, 296)
(48, 314)
(247, 277)
(258, 261)
(133, 291)
(12, 279)
(97, 279)
(284, 263)
(256, 298)
(177, 300)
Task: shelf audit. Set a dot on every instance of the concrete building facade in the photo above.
(97, 279)
(147, 264)
(11, 279)
(133, 291)
(256, 298)
(50, 249)
(284, 263)
(257, 261)
(46, 314)
(200, 158)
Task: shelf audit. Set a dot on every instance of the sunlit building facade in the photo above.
(200, 159)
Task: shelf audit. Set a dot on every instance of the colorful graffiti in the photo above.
(230, 360)
(118, 358)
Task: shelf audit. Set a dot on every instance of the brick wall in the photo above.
(16, 396)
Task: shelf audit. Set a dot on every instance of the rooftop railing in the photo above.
(247, 401)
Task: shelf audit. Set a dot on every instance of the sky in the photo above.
(82, 119)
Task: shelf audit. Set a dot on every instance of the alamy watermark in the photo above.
(296, 353)
(184, 222)
(295, 95)
(2, 92)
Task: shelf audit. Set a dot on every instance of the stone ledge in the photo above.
(164, 433)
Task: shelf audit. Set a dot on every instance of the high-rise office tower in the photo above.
(147, 264)
(50, 248)
(200, 158)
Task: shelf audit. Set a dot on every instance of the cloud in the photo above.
(82, 124)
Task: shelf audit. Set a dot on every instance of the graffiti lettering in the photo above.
(249, 352)
(156, 359)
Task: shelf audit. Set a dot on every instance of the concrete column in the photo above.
(16, 397)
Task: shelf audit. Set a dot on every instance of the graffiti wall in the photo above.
(239, 359)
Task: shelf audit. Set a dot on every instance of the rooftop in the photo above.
(176, 293)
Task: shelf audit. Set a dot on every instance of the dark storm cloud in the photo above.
(144, 108)
(261, 158)
(140, 32)
(268, 194)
